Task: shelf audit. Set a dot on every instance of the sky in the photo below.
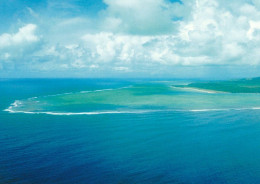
(214, 39)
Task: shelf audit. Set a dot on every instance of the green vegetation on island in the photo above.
(251, 85)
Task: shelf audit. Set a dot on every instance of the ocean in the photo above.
(115, 131)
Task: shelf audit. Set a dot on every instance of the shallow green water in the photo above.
(136, 98)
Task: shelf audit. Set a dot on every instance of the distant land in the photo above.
(251, 85)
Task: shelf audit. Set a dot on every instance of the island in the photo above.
(249, 85)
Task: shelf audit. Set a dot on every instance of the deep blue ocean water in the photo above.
(152, 147)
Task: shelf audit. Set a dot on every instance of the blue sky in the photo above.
(130, 38)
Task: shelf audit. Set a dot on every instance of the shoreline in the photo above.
(198, 90)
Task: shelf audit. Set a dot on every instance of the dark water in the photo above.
(151, 147)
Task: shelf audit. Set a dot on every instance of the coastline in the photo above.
(198, 90)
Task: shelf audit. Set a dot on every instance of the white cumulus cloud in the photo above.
(141, 36)
(16, 48)
(25, 34)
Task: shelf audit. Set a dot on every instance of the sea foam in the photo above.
(127, 111)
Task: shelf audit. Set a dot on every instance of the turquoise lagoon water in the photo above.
(126, 131)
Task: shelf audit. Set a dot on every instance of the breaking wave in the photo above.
(16, 103)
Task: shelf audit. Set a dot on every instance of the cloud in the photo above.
(254, 27)
(25, 35)
(139, 37)
(213, 33)
(16, 49)
(108, 47)
(121, 68)
(140, 17)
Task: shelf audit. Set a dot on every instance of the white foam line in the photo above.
(206, 110)
(128, 112)
(69, 93)
(97, 113)
(83, 113)
(228, 109)
(13, 105)
(99, 90)
(198, 90)
(16, 103)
